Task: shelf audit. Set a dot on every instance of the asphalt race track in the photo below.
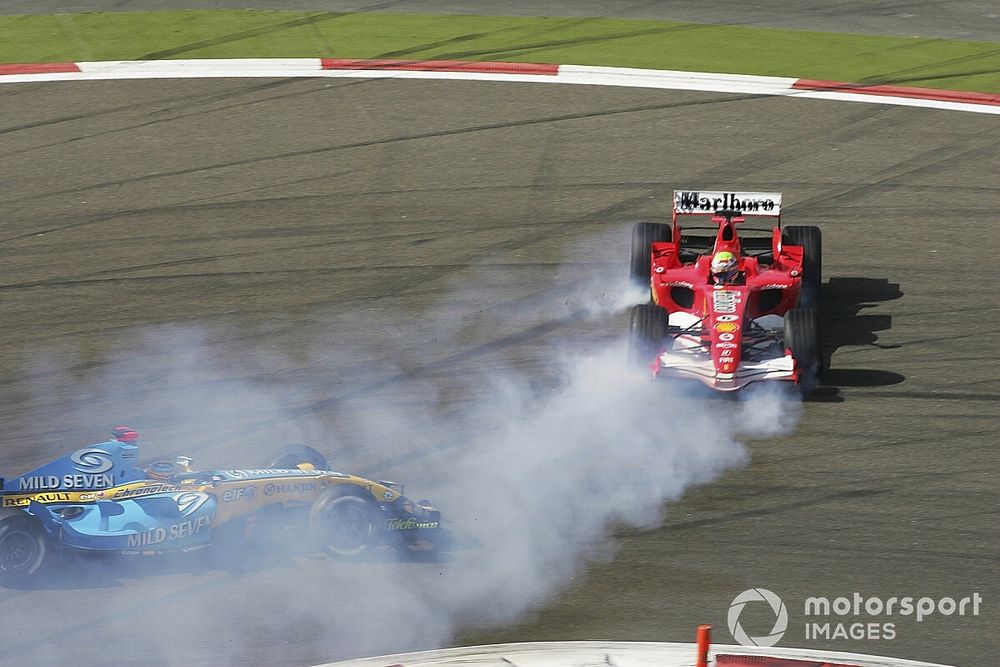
(234, 264)
(229, 265)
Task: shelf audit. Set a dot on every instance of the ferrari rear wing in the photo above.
(700, 202)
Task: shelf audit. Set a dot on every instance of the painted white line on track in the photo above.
(623, 654)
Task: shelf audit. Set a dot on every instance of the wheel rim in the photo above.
(18, 550)
(348, 526)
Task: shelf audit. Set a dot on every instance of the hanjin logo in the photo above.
(757, 595)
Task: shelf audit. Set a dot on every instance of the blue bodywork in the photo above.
(98, 498)
(165, 517)
(96, 467)
(172, 521)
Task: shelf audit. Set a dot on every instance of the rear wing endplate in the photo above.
(702, 202)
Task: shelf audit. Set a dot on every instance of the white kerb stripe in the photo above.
(567, 74)
(675, 79)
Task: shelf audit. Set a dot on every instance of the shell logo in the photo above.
(727, 327)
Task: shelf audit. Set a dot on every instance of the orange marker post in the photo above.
(704, 639)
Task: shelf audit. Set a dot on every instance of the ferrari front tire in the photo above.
(644, 234)
(647, 333)
(811, 240)
(23, 548)
(803, 340)
(345, 525)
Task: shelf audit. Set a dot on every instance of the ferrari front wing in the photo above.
(671, 364)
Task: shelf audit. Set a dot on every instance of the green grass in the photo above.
(960, 65)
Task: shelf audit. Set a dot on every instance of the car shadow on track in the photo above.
(88, 571)
(845, 322)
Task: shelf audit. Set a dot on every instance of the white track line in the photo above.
(621, 654)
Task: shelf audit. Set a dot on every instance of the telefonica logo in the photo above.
(758, 595)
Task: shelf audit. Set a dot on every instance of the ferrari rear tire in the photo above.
(803, 340)
(643, 235)
(811, 240)
(647, 333)
(24, 548)
(344, 524)
(294, 455)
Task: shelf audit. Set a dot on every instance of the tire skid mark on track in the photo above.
(747, 164)
(208, 99)
(517, 51)
(204, 98)
(246, 34)
(437, 271)
(900, 76)
(857, 449)
(79, 221)
(927, 395)
(374, 142)
(899, 170)
(776, 509)
(928, 556)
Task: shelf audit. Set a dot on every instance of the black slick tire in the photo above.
(803, 340)
(647, 333)
(811, 240)
(24, 548)
(643, 235)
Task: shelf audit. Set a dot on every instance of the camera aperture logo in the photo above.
(757, 595)
(854, 617)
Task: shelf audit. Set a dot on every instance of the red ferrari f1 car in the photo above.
(730, 308)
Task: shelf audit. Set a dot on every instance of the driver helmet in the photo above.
(162, 470)
(725, 267)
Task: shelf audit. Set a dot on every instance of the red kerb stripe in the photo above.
(900, 91)
(767, 661)
(440, 66)
(38, 68)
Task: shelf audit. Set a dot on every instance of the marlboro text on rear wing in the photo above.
(708, 202)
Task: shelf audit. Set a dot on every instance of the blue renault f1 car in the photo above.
(100, 499)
